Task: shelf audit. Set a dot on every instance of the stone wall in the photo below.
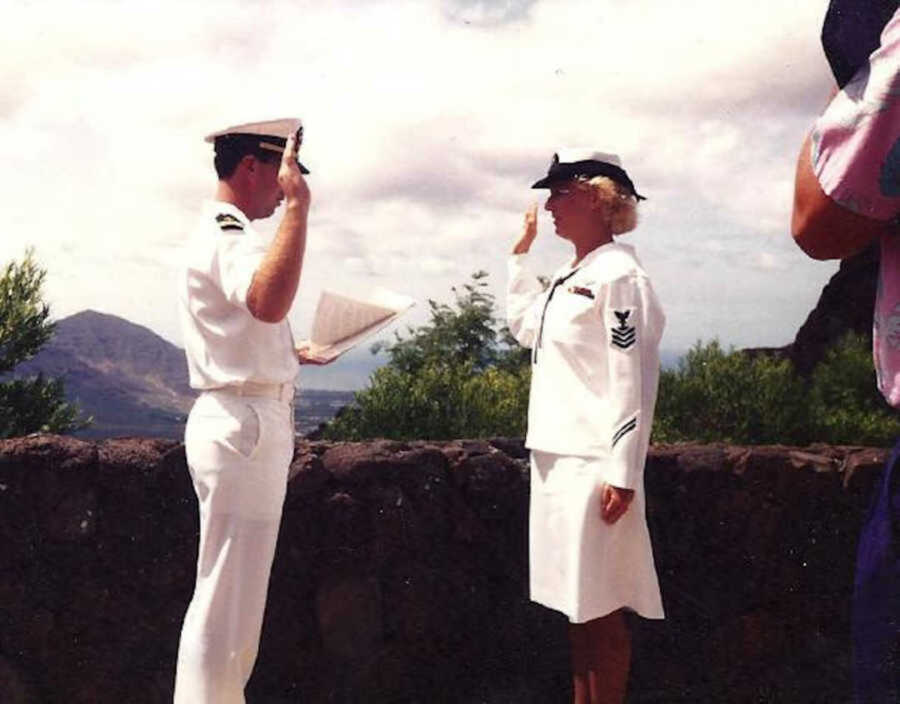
(401, 575)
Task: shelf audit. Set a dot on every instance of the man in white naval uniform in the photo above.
(235, 291)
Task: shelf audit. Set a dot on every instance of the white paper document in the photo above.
(341, 322)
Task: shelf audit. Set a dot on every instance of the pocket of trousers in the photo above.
(245, 438)
(232, 424)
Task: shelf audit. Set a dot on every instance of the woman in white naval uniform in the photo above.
(594, 334)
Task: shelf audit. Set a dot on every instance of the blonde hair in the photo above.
(613, 198)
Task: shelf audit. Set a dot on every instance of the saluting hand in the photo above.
(614, 502)
(529, 231)
(293, 185)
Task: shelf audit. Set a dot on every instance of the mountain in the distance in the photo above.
(132, 381)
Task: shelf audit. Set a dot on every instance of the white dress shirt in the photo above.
(223, 342)
(594, 334)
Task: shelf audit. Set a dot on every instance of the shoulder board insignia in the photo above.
(229, 222)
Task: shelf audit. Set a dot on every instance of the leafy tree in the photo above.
(464, 333)
(37, 403)
(457, 376)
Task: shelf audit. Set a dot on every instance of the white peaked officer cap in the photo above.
(568, 164)
(269, 135)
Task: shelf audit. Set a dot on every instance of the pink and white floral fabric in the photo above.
(856, 158)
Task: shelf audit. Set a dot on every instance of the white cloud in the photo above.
(769, 262)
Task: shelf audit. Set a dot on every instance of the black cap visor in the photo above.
(271, 144)
(560, 172)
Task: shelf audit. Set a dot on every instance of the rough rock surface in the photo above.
(401, 575)
(846, 303)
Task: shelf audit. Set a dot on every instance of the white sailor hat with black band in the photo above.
(269, 135)
(570, 164)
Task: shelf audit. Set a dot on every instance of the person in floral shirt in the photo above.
(847, 197)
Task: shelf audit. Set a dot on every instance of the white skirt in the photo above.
(579, 564)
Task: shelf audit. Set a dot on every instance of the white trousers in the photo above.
(239, 450)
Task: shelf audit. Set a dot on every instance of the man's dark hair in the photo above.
(231, 148)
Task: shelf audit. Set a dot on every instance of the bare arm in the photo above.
(822, 228)
(275, 282)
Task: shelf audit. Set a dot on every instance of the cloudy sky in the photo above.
(425, 123)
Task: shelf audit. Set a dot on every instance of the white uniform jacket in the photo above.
(594, 334)
(223, 342)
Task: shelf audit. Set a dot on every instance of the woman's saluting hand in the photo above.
(529, 231)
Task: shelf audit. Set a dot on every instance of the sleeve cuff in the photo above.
(617, 473)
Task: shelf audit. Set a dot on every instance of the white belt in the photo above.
(280, 392)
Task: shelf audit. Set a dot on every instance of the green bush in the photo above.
(844, 405)
(714, 396)
(438, 402)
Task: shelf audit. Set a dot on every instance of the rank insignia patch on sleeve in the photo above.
(622, 334)
(624, 430)
(229, 222)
